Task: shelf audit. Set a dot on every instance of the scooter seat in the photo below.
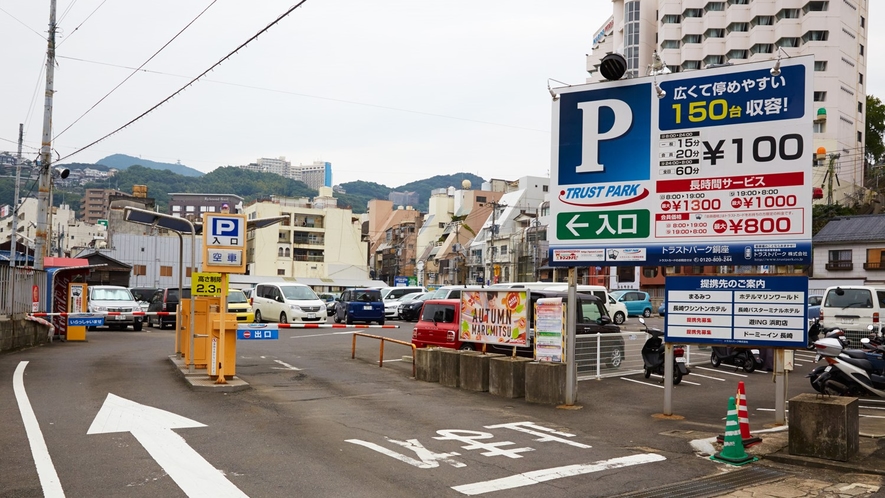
(856, 353)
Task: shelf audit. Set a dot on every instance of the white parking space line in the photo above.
(45, 469)
(720, 371)
(544, 475)
(695, 374)
(643, 383)
(683, 380)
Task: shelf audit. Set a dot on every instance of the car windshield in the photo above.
(440, 293)
(111, 295)
(438, 313)
(236, 296)
(850, 298)
(298, 293)
(367, 296)
(617, 294)
(410, 297)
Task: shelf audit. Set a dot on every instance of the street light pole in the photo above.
(45, 172)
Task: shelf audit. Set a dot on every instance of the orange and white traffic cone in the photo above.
(743, 419)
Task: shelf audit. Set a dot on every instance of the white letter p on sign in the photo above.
(591, 135)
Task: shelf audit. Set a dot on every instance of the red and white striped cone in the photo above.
(743, 419)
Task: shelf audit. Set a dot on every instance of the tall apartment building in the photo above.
(696, 34)
(192, 206)
(316, 175)
(94, 205)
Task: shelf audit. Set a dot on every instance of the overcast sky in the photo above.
(388, 91)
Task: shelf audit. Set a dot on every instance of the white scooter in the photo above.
(846, 374)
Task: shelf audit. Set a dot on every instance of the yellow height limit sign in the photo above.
(206, 284)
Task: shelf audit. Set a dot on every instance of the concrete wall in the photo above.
(18, 334)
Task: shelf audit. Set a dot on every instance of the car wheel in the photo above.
(714, 360)
(90, 328)
(257, 316)
(137, 327)
(283, 317)
(347, 318)
(619, 318)
(467, 346)
(335, 318)
(646, 312)
(381, 322)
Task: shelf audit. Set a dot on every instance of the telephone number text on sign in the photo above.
(733, 223)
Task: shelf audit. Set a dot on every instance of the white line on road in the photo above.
(695, 374)
(720, 371)
(683, 380)
(543, 475)
(284, 364)
(45, 469)
(643, 383)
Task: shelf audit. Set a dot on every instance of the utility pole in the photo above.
(45, 172)
(18, 173)
(831, 172)
(495, 206)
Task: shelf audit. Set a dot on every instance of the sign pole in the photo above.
(780, 389)
(571, 374)
(221, 325)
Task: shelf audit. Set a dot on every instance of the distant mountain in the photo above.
(122, 161)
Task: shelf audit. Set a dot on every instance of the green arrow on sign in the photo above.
(596, 225)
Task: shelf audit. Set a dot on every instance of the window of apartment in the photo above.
(788, 14)
(503, 250)
(816, 35)
(669, 44)
(714, 59)
(816, 7)
(862, 21)
(861, 50)
(281, 272)
(860, 78)
(820, 96)
(176, 209)
(481, 198)
(819, 127)
(820, 65)
(860, 107)
(691, 39)
(763, 21)
(738, 54)
(839, 255)
(626, 274)
(165, 271)
(693, 13)
(715, 6)
(739, 27)
(762, 48)
(649, 271)
(189, 209)
(739, 2)
(688, 65)
(671, 19)
(715, 33)
(859, 137)
(139, 270)
(788, 42)
(545, 188)
(674, 69)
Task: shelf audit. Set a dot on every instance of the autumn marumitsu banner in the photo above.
(494, 317)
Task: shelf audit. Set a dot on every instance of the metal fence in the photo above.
(16, 290)
(621, 354)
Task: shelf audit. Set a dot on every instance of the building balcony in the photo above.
(840, 265)
(874, 265)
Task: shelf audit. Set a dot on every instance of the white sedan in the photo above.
(391, 308)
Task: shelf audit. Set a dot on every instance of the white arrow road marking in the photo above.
(571, 225)
(45, 469)
(152, 428)
(543, 475)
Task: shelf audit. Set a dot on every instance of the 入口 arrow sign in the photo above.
(571, 225)
(152, 428)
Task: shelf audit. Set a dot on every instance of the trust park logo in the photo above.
(603, 195)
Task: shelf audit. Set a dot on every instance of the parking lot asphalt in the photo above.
(861, 475)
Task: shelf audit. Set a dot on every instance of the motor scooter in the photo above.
(653, 355)
(848, 372)
(748, 359)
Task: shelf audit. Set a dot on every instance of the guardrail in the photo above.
(381, 354)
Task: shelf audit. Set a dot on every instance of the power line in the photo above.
(188, 25)
(23, 24)
(191, 82)
(81, 22)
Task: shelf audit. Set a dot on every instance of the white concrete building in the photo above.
(317, 241)
(696, 34)
(67, 233)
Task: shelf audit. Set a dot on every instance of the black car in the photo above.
(165, 300)
(329, 299)
(411, 310)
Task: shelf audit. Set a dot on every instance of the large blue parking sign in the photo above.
(701, 168)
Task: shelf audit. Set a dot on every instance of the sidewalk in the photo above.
(861, 476)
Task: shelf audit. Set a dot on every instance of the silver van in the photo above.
(284, 303)
(113, 298)
(853, 308)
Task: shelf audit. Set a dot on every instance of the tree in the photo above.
(875, 146)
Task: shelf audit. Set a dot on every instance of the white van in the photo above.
(852, 307)
(286, 303)
(388, 293)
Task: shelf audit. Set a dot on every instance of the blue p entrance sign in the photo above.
(716, 172)
(224, 242)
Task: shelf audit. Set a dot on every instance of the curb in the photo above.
(201, 382)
